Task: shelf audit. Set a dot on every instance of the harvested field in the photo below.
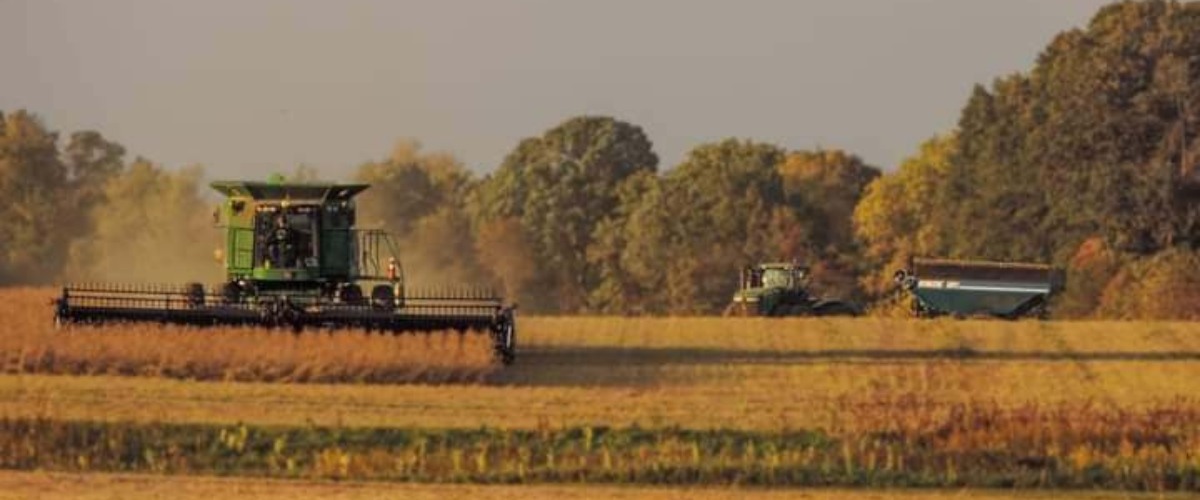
(59, 486)
(30, 343)
(974, 403)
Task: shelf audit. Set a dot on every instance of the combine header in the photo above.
(978, 288)
(294, 258)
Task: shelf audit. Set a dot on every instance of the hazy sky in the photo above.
(251, 87)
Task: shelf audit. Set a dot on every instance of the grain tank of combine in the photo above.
(294, 258)
(964, 288)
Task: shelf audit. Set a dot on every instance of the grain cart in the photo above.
(780, 289)
(964, 288)
(293, 258)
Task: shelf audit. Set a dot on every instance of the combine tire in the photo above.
(194, 293)
(231, 293)
(351, 294)
(383, 298)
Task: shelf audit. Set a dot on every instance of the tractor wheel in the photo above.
(351, 294)
(835, 309)
(383, 298)
(799, 311)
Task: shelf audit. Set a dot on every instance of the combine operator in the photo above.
(281, 245)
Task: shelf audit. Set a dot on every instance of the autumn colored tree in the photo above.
(33, 181)
(1165, 286)
(1089, 273)
(47, 194)
(822, 188)
(896, 218)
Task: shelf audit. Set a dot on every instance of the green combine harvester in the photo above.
(781, 289)
(294, 259)
(962, 288)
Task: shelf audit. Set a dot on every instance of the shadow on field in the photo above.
(611, 366)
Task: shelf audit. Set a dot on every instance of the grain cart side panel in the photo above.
(978, 288)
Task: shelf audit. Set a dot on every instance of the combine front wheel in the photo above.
(383, 298)
(351, 294)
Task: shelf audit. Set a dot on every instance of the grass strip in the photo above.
(1147, 459)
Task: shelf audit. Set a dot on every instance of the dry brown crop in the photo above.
(30, 343)
(743, 373)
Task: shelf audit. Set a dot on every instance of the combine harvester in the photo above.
(963, 288)
(294, 259)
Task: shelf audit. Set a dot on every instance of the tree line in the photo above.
(1088, 161)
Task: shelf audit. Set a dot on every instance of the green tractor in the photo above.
(781, 289)
(294, 258)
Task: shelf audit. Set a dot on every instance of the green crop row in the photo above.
(1149, 460)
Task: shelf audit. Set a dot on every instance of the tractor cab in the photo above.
(787, 276)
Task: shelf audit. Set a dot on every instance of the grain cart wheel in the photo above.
(194, 295)
(383, 298)
(351, 294)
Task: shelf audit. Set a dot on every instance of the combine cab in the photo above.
(781, 290)
(293, 258)
(978, 288)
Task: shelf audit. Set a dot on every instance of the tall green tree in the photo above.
(1093, 141)
(561, 186)
(675, 243)
(631, 250)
